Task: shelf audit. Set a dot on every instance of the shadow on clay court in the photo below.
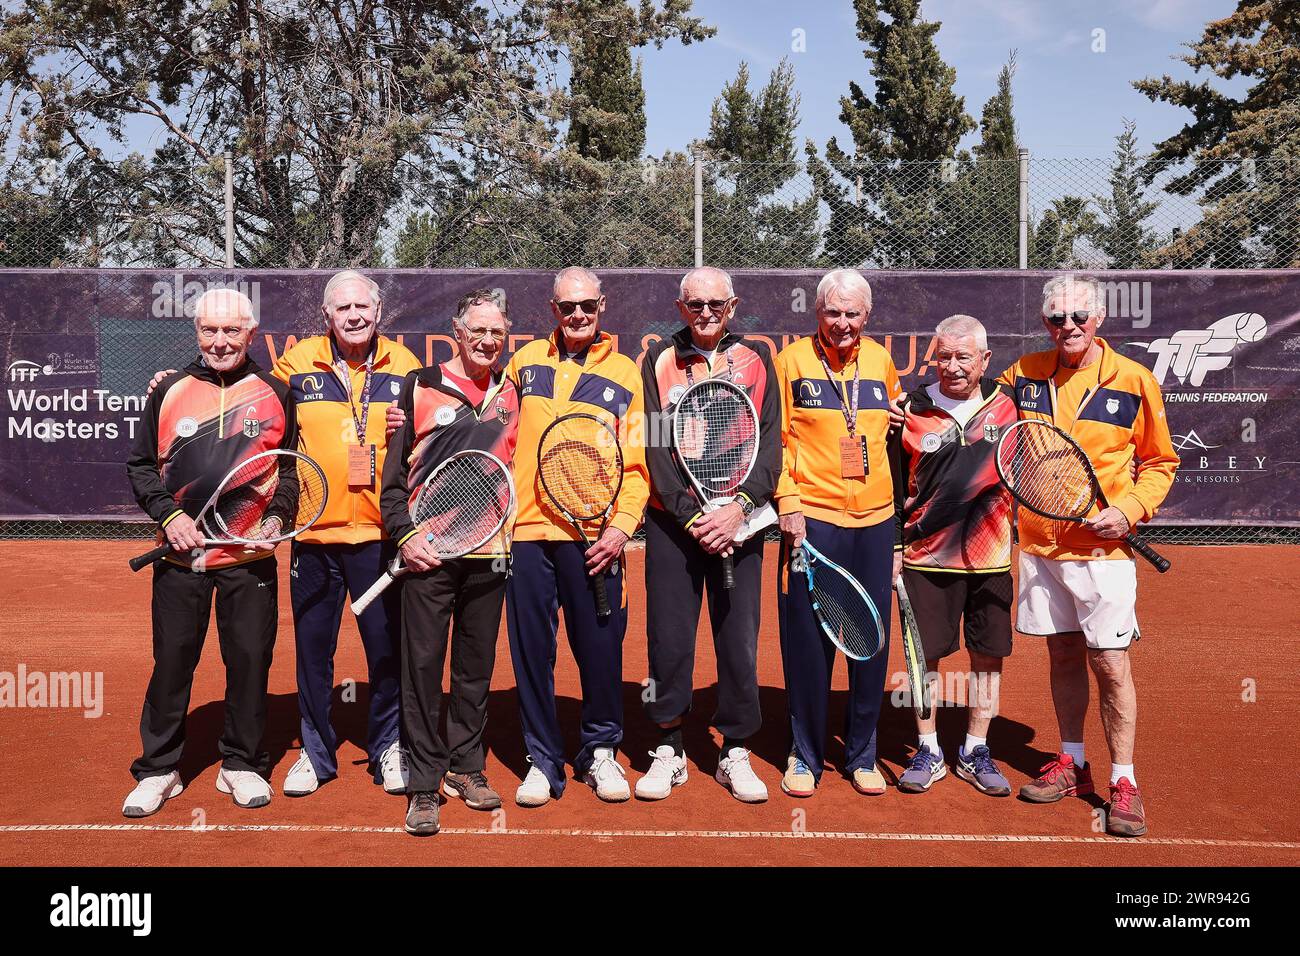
(1009, 740)
(205, 723)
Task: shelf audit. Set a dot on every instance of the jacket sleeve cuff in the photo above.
(166, 521)
(788, 505)
(625, 522)
(1133, 510)
(407, 537)
(694, 518)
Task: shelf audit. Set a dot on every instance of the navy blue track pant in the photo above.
(547, 576)
(808, 657)
(322, 578)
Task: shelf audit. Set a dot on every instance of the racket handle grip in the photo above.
(1139, 545)
(360, 604)
(728, 573)
(149, 557)
(602, 598)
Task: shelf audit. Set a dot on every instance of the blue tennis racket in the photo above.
(845, 612)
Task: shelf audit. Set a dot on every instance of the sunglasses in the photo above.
(716, 306)
(1080, 317)
(588, 306)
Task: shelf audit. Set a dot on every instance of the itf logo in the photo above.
(1190, 354)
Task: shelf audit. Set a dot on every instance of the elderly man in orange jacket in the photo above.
(1078, 583)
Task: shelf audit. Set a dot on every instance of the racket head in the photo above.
(1046, 471)
(715, 435)
(464, 503)
(844, 611)
(580, 466)
(280, 483)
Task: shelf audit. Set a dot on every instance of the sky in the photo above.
(1069, 100)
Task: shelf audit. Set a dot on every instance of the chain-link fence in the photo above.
(1042, 213)
(1039, 213)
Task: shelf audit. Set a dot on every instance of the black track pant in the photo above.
(247, 615)
(677, 570)
(468, 594)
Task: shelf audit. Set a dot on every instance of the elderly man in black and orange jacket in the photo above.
(200, 423)
(683, 543)
(464, 403)
(957, 542)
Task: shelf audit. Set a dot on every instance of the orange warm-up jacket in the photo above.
(1114, 410)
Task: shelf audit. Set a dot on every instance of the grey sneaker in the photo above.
(922, 773)
(473, 788)
(422, 813)
(978, 768)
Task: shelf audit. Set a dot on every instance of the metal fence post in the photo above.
(1024, 209)
(230, 210)
(699, 212)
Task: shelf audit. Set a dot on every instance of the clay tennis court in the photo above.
(1215, 674)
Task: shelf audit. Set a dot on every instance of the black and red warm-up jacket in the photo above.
(441, 421)
(749, 364)
(956, 514)
(197, 426)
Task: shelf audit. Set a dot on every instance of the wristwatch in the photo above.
(746, 506)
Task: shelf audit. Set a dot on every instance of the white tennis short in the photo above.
(1098, 598)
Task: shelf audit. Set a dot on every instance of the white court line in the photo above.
(650, 834)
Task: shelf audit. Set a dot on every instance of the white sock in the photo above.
(1118, 770)
(972, 742)
(1075, 750)
(931, 741)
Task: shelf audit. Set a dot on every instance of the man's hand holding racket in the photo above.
(794, 527)
(717, 530)
(1111, 523)
(184, 535)
(607, 549)
(419, 554)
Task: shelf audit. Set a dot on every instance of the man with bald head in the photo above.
(199, 424)
(684, 544)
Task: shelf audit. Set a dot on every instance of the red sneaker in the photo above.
(1058, 779)
(1125, 815)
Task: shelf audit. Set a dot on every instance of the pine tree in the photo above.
(1120, 233)
(1243, 150)
(1055, 237)
(751, 145)
(978, 216)
(902, 133)
(607, 114)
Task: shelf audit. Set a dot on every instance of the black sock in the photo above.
(672, 737)
(729, 742)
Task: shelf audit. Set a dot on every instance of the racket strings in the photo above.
(463, 504)
(241, 510)
(1047, 473)
(579, 474)
(246, 494)
(850, 619)
(716, 436)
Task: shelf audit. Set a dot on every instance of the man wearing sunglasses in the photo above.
(575, 369)
(1078, 583)
(683, 543)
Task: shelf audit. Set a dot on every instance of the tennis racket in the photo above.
(1048, 473)
(580, 464)
(715, 436)
(459, 508)
(912, 653)
(844, 610)
(270, 497)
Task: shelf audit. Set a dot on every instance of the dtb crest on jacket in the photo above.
(252, 425)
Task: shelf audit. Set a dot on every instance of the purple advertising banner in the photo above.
(78, 348)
